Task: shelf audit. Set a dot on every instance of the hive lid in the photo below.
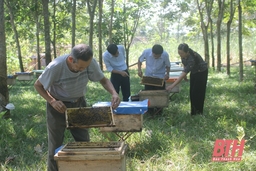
(88, 117)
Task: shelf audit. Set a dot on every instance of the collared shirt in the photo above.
(66, 85)
(194, 64)
(115, 63)
(155, 67)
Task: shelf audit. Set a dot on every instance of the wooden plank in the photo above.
(125, 123)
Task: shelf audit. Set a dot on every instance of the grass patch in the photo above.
(174, 141)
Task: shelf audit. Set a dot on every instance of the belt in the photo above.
(73, 101)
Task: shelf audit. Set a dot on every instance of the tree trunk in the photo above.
(232, 12)
(111, 22)
(3, 65)
(212, 41)
(47, 32)
(91, 10)
(240, 41)
(16, 35)
(204, 26)
(100, 34)
(219, 21)
(37, 20)
(54, 30)
(73, 23)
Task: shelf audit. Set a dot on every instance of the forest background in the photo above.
(221, 31)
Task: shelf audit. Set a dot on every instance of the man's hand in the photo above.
(166, 77)
(140, 73)
(124, 74)
(58, 105)
(115, 101)
(169, 88)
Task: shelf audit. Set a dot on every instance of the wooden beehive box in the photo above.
(125, 123)
(152, 81)
(253, 62)
(38, 72)
(157, 98)
(92, 156)
(170, 81)
(25, 76)
(88, 117)
(11, 79)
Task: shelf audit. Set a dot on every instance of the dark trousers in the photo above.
(56, 126)
(198, 83)
(118, 82)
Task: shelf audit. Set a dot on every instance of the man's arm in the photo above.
(123, 73)
(115, 101)
(166, 77)
(170, 87)
(139, 68)
(57, 105)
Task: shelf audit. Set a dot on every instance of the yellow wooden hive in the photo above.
(92, 156)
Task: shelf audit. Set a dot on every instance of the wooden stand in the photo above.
(128, 123)
(92, 156)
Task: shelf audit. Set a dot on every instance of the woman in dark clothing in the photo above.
(198, 69)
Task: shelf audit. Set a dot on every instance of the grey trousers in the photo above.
(56, 126)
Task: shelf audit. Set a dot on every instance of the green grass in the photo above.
(174, 141)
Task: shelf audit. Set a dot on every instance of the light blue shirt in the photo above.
(155, 67)
(115, 63)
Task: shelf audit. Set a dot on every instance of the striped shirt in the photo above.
(66, 85)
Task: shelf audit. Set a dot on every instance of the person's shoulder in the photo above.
(147, 50)
(120, 47)
(165, 52)
(106, 54)
(58, 61)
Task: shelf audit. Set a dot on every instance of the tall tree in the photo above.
(219, 22)
(240, 38)
(12, 20)
(54, 30)
(3, 66)
(100, 33)
(91, 5)
(132, 13)
(37, 15)
(207, 6)
(231, 16)
(111, 22)
(73, 23)
(47, 37)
